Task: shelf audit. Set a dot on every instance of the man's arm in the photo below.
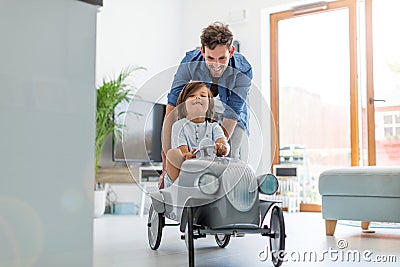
(228, 125)
(169, 119)
(236, 102)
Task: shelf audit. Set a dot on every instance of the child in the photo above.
(195, 112)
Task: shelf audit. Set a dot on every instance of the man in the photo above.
(227, 73)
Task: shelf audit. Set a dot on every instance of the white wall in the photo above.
(47, 107)
(141, 33)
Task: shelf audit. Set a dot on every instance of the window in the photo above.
(391, 125)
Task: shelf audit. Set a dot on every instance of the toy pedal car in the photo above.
(217, 196)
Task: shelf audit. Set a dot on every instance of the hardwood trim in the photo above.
(331, 6)
(308, 207)
(354, 129)
(370, 84)
(330, 226)
(274, 87)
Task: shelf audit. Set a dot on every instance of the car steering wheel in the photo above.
(204, 151)
(206, 147)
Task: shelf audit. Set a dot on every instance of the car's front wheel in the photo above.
(222, 240)
(189, 236)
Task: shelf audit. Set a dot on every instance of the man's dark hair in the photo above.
(216, 34)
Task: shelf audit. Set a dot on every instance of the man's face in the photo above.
(217, 59)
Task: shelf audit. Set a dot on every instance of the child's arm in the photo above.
(186, 153)
(221, 147)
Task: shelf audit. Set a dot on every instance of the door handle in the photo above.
(372, 100)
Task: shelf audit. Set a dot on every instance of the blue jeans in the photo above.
(167, 181)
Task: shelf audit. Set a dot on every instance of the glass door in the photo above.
(381, 121)
(314, 90)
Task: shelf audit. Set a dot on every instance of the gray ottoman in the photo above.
(360, 193)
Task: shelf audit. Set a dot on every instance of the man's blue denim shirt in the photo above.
(233, 85)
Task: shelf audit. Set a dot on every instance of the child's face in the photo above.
(197, 103)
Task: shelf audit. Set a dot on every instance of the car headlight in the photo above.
(208, 184)
(267, 184)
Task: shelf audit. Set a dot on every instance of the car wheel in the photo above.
(222, 240)
(189, 236)
(155, 225)
(277, 238)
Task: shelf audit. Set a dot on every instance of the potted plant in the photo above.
(109, 94)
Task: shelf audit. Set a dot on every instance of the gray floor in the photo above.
(122, 241)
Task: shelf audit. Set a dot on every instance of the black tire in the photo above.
(277, 240)
(155, 223)
(222, 240)
(189, 236)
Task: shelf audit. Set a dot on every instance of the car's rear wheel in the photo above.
(222, 240)
(277, 238)
(154, 228)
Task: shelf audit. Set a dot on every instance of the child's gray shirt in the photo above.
(188, 133)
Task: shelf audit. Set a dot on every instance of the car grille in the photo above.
(240, 186)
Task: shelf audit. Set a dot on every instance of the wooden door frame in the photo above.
(370, 84)
(274, 83)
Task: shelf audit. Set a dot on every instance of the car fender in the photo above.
(193, 202)
(157, 200)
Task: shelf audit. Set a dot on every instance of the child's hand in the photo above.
(221, 149)
(190, 154)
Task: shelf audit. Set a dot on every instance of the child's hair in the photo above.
(189, 88)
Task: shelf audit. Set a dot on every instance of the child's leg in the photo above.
(174, 163)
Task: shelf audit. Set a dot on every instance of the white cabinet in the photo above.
(149, 173)
(291, 188)
(148, 181)
(146, 178)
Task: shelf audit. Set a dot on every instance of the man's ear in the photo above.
(231, 51)
(202, 50)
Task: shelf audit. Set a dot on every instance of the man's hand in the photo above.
(221, 147)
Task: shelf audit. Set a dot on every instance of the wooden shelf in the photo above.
(116, 175)
(122, 175)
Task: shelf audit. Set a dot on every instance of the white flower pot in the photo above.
(99, 202)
